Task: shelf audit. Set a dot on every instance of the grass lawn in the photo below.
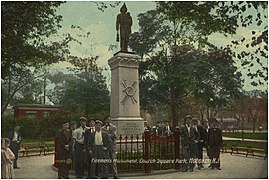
(260, 136)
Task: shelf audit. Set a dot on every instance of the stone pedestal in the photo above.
(124, 100)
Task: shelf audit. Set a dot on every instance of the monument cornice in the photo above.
(124, 60)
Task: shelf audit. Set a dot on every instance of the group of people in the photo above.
(9, 153)
(160, 129)
(196, 137)
(95, 145)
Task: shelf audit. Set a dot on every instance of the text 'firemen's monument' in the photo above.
(124, 100)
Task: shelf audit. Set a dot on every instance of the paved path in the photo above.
(233, 166)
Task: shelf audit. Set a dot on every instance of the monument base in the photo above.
(129, 125)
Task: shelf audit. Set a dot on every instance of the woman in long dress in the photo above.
(11, 157)
(5, 161)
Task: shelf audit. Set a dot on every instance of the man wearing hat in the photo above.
(88, 134)
(214, 144)
(111, 130)
(99, 146)
(201, 143)
(190, 138)
(72, 128)
(167, 129)
(63, 140)
(79, 147)
(15, 144)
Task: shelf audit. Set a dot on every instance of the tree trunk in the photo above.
(254, 125)
(10, 97)
(173, 107)
(207, 113)
(44, 88)
(202, 115)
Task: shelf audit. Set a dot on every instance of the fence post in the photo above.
(177, 148)
(146, 155)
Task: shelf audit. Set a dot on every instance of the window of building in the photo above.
(31, 114)
(45, 114)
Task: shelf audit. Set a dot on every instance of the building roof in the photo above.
(21, 105)
(227, 120)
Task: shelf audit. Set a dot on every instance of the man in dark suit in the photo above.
(99, 146)
(79, 147)
(64, 141)
(111, 130)
(87, 135)
(201, 143)
(214, 144)
(167, 129)
(190, 138)
(15, 144)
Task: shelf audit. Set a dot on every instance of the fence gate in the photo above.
(148, 152)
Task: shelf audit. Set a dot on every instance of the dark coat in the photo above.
(11, 136)
(105, 138)
(214, 137)
(203, 136)
(63, 138)
(166, 132)
(112, 133)
(189, 139)
(14, 146)
(87, 136)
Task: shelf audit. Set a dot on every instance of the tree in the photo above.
(26, 29)
(254, 109)
(176, 64)
(84, 91)
(21, 79)
(251, 51)
(227, 17)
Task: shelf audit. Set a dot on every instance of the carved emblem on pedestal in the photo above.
(129, 91)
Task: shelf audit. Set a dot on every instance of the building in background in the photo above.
(35, 111)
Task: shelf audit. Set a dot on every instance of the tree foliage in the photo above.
(227, 17)
(16, 84)
(180, 61)
(25, 27)
(85, 91)
(26, 47)
(252, 108)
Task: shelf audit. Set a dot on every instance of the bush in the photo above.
(29, 127)
(42, 128)
(35, 128)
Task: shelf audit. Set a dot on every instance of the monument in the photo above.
(124, 100)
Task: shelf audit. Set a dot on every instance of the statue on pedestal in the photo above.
(123, 23)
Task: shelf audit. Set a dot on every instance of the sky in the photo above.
(101, 26)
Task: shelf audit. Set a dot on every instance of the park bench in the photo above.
(235, 148)
(43, 148)
(249, 150)
(25, 151)
(35, 149)
(224, 148)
